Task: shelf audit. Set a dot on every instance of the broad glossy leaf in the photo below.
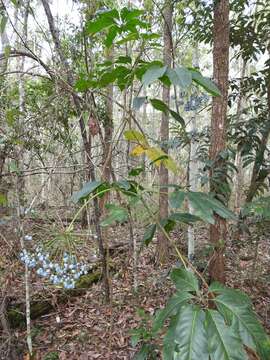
(224, 342)
(168, 224)
(184, 77)
(152, 74)
(185, 280)
(177, 117)
(176, 301)
(86, 190)
(149, 234)
(191, 338)
(205, 205)
(206, 83)
(237, 309)
(201, 209)
(159, 105)
(184, 217)
(176, 199)
(169, 339)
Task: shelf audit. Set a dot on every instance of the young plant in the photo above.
(212, 322)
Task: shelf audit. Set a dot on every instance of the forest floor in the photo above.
(84, 327)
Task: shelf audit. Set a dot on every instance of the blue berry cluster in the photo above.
(64, 273)
(195, 102)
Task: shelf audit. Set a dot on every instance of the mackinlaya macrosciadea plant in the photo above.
(205, 323)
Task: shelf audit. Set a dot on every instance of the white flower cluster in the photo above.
(64, 273)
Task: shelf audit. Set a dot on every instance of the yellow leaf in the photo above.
(170, 165)
(137, 150)
(158, 156)
(134, 135)
(154, 154)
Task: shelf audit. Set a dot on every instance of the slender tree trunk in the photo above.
(238, 159)
(86, 142)
(193, 166)
(163, 244)
(218, 231)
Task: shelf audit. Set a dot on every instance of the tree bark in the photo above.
(218, 231)
(162, 241)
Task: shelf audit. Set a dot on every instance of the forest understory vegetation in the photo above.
(134, 179)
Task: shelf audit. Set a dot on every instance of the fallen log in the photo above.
(15, 313)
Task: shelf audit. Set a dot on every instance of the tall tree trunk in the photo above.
(163, 244)
(218, 231)
(86, 142)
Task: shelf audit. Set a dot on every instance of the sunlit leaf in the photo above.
(137, 150)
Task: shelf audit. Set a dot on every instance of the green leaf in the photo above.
(135, 337)
(127, 187)
(201, 209)
(176, 199)
(184, 218)
(86, 190)
(124, 60)
(176, 301)
(138, 102)
(116, 213)
(149, 234)
(177, 117)
(128, 38)
(112, 33)
(169, 339)
(136, 171)
(206, 83)
(128, 14)
(103, 21)
(205, 205)
(236, 307)
(185, 280)
(82, 84)
(180, 77)
(3, 199)
(191, 338)
(3, 23)
(223, 341)
(159, 105)
(153, 73)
